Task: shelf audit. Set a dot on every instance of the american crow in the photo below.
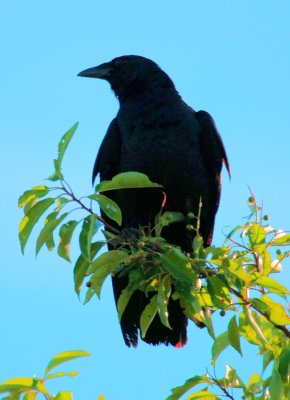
(155, 132)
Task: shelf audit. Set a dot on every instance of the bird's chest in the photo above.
(159, 143)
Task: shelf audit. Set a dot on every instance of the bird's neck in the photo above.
(156, 86)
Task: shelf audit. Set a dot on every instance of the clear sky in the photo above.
(231, 58)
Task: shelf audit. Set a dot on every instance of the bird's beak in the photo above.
(102, 71)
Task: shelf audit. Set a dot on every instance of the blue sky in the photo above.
(229, 58)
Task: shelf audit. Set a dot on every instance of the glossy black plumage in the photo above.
(156, 133)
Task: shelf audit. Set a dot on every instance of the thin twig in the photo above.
(89, 210)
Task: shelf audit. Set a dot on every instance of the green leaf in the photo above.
(30, 195)
(50, 240)
(123, 301)
(219, 345)
(189, 384)
(254, 384)
(83, 264)
(247, 330)
(204, 394)
(114, 257)
(64, 396)
(103, 266)
(31, 218)
(28, 396)
(15, 384)
(90, 293)
(284, 365)
(48, 229)
(109, 207)
(276, 388)
(148, 315)
(219, 292)
(89, 228)
(62, 146)
(277, 313)
(271, 284)
(234, 335)
(257, 235)
(65, 356)
(164, 290)
(169, 218)
(70, 374)
(178, 265)
(127, 180)
(65, 234)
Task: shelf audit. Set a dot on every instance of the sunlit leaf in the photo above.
(65, 356)
(35, 193)
(254, 383)
(281, 240)
(64, 396)
(271, 284)
(179, 391)
(204, 394)
(83, 264)
(32, 217)
(127, 180)
(219, 345)
(247, 330)
(15, 384)
(234, 335)
(48, 229)
(109, 207)
(70, 374)
(89, 228)
(164, 290)
(65, 234)
(257, 235)
(277, 313)
(148, 315)
(28, 396)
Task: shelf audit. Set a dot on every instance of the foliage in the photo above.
(31, 388)
(235, 278)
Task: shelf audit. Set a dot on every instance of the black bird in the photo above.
(155, 132)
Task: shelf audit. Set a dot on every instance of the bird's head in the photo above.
(129, 73)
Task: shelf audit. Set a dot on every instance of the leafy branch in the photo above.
(235, 278)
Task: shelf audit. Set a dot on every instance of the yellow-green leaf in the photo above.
(64, 357)
(65, 234)
(31, 218)
(14, 384)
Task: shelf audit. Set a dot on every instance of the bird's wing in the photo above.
(213, 155)
(108, 158)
